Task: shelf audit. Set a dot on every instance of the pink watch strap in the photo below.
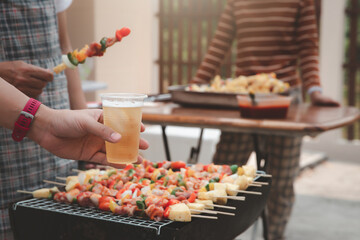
(22, 125)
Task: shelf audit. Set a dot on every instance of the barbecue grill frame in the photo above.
(67, 223)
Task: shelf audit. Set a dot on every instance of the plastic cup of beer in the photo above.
(122, 113)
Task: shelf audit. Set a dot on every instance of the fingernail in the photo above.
(115, 136)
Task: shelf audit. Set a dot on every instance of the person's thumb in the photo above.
(103, 131)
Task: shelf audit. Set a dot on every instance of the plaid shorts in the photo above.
(282, 156)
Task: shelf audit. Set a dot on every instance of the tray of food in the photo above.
(221, 93)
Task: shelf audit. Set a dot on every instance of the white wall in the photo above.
(332, 47)
(127, 66)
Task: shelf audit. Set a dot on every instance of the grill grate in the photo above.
(90, 212)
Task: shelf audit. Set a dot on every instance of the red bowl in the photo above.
(264, 106)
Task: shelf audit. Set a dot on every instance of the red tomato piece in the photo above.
(128, 167)
(150, 169)
(111, 184)
(178, 165)
(124, 31)
(105, 206)
(167, 212)
(104, 203)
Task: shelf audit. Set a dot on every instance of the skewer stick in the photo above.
(254, 185)
(248, 192)
(261, 183)
(61, 178)
(225, 213)
(264, 175)
(213, 212)
(221, 206)
(201, 216)
(55, 183)
(203, 211)
(23, 191)
(232, 197)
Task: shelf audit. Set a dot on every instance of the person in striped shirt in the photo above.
(277, 36)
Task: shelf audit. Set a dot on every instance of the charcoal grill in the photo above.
(46, 219)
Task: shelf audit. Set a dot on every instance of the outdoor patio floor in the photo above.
(327, 204)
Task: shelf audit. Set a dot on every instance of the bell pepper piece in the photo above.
(171, 202)
(72, 59)
(119, 193)
(234, 168)
(192, 197)
(103, 44)
(140, 205)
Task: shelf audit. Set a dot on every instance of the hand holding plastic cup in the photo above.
(122, 112)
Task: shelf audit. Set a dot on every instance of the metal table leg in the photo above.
(166, 145)
(195, 151)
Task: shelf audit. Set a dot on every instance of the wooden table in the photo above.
(301, 120)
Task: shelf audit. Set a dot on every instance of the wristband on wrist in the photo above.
(22, 125)
(314, 89)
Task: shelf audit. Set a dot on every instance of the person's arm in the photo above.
(308, 42)
(76, 95)
(219, 46)
(71, 134)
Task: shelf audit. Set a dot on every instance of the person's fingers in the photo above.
(140, 159)
(99, 158)
(116, 165)
(35, 83)
(42, 74)
(142, 127)
(102, 131)
(103, 149)
(143, 144)
(90, 165)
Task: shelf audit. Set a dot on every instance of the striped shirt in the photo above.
(272, 36)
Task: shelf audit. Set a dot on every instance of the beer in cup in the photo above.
(122, 113)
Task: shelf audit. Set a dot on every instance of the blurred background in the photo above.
(169, 39)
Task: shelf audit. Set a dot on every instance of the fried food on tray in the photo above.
(259, 83)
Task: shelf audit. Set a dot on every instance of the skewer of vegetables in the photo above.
(72, 59)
